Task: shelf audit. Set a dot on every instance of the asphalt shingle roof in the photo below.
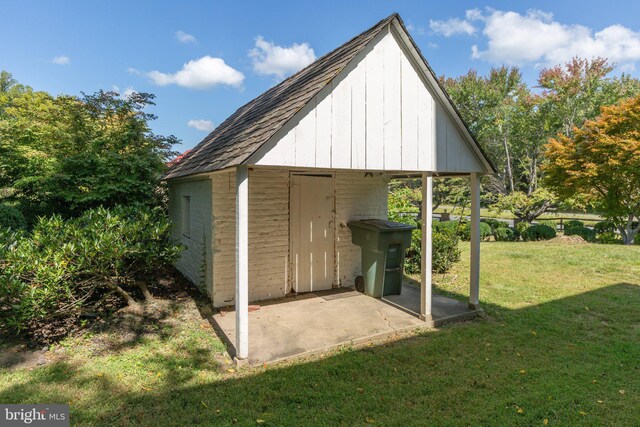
(254, 123)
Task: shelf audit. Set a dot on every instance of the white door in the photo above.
(312, 234)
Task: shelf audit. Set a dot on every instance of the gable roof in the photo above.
(246, 130)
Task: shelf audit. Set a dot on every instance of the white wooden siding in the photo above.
(378, 114)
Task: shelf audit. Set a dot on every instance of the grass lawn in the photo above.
(560, 345)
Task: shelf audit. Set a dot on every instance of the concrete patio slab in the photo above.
(316, 322)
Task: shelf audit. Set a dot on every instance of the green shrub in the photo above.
(61, 267)
(609, 238)
(445, 251)
(584, 232)
(539, 232)
(495, 224)
(549, 223)
(521, 227)
(11, 217)
(573, 223)
(464, 232)
(605, 227)
(451, 226)
(508, 234)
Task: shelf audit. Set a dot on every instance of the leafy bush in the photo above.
(549, 223)
(463, 229)
(584, 232)
(539, 232)
(605, 227)
(495, 224)
(609, 238)
(508, 234)
(452, 226)
(573, 223)
(521, 227)
(445, 251)
(64, 267)
(11, 217)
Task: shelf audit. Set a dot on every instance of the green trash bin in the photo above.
(383, 246)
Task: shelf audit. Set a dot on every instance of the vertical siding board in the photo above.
(426, 134)
(358, 116)
(392, 136)
(341, 123)
(410, 115)
(441, 138)
(375, 108)
(305, 137)
(323, 128)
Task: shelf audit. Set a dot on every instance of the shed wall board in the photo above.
(224, 238)
(366, 118)
(268, 235)
(197, 246)
(358, 195)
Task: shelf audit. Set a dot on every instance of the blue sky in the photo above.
(234, 51)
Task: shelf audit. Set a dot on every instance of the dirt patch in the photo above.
(176, 303)
(568, 240)
(15, 354)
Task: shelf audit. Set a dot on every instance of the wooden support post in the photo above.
(426, 258)
(242, 262)
(474, 291)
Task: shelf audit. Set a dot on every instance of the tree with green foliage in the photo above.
(66, 154)
(513, 123)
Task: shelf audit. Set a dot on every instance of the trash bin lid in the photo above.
(381, 225)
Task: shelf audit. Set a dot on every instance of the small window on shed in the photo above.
(186, 216)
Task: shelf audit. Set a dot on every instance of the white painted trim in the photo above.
(474, 291)
(242, 262)
(426, 288)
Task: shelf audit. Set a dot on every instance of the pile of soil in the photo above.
(568, 240)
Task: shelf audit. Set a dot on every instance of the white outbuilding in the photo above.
(262, 203)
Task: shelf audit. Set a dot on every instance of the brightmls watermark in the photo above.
(34, 415)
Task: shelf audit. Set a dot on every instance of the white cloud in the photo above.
(279, 61)
(535, 37)
(134, 71)
(200, 73)
(128, 92)
(452, 27)
(419, 31)
(123, 94)
(185, 37)
(202, 125)
(61, 60)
